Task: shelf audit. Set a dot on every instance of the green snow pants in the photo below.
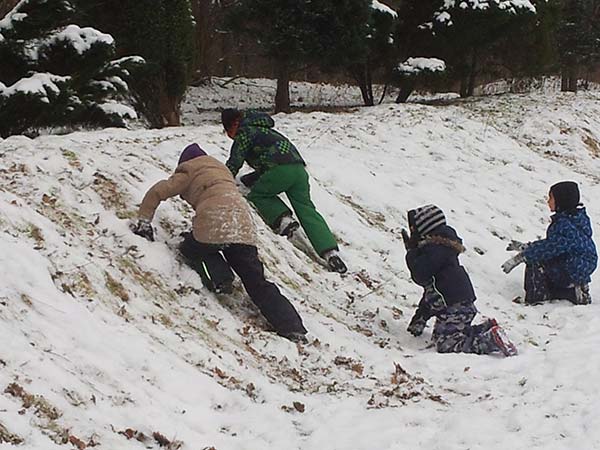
(292, 180)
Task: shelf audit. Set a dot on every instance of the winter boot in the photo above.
(334, 262)
(582, 294)
(499, 337)
(295, 336)
(287, 226)
(483, 327)
(226, 288)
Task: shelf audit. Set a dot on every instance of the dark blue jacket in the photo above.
(436, 260)
(568, 246)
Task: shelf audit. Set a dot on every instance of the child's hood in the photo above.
(257, 119)
(579, 219)
(444, 235)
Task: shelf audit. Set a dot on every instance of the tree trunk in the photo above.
(383, 94)
(362, 75)
(467, 81)
(472, 73)
(568, 82)
(6, 6)
(202, 14)
(282, 96)
(169, 110)
(406, 88)
(464, 86)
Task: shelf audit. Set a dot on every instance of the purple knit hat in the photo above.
(190, 152)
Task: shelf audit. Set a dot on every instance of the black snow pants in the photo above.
(214, 263)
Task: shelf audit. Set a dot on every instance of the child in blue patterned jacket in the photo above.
(559, 266)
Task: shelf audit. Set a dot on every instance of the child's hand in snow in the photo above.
(516, 246)
(513, 262)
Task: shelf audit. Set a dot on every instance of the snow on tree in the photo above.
(417, 66)
(56, 73)
(383, 8)
(414, 72)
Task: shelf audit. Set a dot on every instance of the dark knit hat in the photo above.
(566, 195)
(230, 115)
(426, 218)
(190, 152)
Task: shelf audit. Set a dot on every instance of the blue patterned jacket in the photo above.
(568, 246)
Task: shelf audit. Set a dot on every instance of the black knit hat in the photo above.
(566, 196)
(230, 115)
(426, 218)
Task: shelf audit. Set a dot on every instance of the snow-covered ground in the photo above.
(109, 339)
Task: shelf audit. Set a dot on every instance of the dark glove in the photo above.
(513, 262)
(144, 229)
(410, 242)
(249, 179)
(516, 246)
(417, 324)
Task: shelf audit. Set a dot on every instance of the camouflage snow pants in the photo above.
(453, 332)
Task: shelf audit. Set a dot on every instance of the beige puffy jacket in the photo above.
(222, 214)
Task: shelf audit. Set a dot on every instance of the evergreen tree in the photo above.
(533, 50)
(380, 49)
(417, 72)
(295, 33)
(466, 31)
(55, 73)
(162, 32)
(578, 38)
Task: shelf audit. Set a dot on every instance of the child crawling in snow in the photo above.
(432, 258)
(559, 266)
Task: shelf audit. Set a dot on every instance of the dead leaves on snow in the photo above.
(159, 438)
(48, 416)
(402, 387)
(296, 407)
(8, 437)
(350, 364)
(233, 383)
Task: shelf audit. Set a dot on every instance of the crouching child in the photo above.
(432, 254)
(223, 236)
(559, 266)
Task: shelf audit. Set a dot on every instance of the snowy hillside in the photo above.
(110, 341)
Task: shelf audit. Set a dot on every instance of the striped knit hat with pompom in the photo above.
(426, 218)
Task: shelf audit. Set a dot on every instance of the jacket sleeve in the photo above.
(424, 263)
(174, 185)
(560, 240)
(239, 150)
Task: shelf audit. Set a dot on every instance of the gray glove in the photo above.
(513, 262)
(516, 246)
(144, 229)
(417, 324)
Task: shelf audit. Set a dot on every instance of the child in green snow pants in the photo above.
(291, 179)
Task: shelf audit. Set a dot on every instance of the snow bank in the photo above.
(116, 340)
